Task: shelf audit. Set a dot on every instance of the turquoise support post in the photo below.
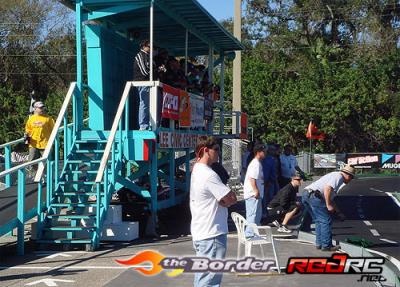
(113, 163)
(78, 119)
(40, 215)
(20, 211)
(153, 182)
(172, 175)
(56, 159)
(8, 164)
(65, 138)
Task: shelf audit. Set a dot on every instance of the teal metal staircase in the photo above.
(78, 205)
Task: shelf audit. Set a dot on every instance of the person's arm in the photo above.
(327, 194)
(228, 200)
(254, 187)
(284, 199)
(28, 127)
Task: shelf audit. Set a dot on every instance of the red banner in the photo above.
(243, 126)
(185, 110)
(170, 107)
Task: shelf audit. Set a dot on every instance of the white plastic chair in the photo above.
(259, 239)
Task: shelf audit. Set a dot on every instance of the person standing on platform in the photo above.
(38, 129)
(141, 72)
(254, 188)
(209, 202)
(289, 166)
(318, 198)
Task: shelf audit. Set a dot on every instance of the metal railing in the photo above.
(51, 179)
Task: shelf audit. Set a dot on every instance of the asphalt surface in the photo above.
(371, 213)
(358, 201)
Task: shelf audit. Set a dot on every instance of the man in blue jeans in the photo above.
(209, 202)
(318, 198)
(253, 188)
(141, 72)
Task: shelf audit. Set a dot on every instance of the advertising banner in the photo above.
(177, 140)
(197, 109)
(208, 109)
(185, 110)
(324, 160)
(170, 106)
(364, 160)
(390, 161)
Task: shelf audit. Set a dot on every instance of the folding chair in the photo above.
(258, 239)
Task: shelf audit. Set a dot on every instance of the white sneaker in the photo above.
(284, 229)
(276, 223)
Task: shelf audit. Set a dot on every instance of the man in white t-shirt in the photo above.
(209, 202)
(289, 166)
(253, 188)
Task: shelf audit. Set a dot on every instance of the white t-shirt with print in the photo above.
(209, 218)
(255, 171)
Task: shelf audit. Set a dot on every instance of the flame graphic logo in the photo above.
(149, 256)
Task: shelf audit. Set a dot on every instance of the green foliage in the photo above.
(322, 60)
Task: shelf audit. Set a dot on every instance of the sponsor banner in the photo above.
(364, 160)
(185, 110)
(170, 106)
(325, 160)
(243, 126)
(177, 140)
(390, 161)
(208, 109)
(197, 109)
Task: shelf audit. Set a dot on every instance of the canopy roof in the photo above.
(171, 19)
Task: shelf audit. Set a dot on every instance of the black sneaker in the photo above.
(331, 248)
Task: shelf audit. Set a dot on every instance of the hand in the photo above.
(330, 208)
(257, 194)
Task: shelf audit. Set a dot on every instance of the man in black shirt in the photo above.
(141, 72)
(284, 204)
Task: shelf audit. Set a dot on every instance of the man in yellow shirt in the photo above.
(38, 128)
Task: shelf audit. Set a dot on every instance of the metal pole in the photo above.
(7, 157)
(186, 51)
(151, 38)
(20, 211)
(78, 119)
(221, 99)
(236, 97)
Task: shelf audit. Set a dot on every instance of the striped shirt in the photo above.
(141, 66)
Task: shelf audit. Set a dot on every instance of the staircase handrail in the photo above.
(54, 132)
(113, 132)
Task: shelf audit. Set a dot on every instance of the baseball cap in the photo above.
(38, 104)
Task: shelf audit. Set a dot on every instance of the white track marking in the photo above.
(374, 232)
(375, 189)
(367, 222)
(394, 198)
(387, 240)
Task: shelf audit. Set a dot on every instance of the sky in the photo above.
(220, 9)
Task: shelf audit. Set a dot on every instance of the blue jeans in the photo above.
(253, 213)
(321, 218)
(213, 248)
(144, 107)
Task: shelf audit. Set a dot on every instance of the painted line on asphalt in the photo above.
(394, 198)
(367, 222)
(375, 189)
(387, 240)
(374, 232)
